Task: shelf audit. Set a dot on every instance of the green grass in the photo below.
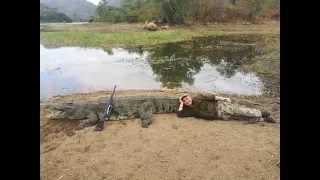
(128, 39)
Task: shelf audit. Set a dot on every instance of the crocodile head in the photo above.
(61, 110)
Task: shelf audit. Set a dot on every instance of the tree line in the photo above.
(182, 11)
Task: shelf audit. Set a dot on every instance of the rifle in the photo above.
(106, 112)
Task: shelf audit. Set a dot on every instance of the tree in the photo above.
(175, 11)
(257, 6)
(101, 9)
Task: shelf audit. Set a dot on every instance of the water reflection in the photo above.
(207, 65)
(173, 65)
(177, 63)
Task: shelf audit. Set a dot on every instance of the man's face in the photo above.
(187, 100)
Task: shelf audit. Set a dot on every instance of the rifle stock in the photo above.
(106, 112)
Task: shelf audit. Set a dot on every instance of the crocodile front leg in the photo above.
(90, 121)
(145, 113)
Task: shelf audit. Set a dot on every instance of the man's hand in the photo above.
(228, 100)
(219, 98)
(181, 102)
(180, 99)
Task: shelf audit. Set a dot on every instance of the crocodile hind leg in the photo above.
(90, 121)
(145, 113)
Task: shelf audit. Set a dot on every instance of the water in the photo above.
(207, 65)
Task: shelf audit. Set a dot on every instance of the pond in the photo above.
(204, 64)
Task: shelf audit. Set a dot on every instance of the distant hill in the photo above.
(73, 8)
(48, 14)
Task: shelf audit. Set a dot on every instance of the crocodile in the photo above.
(89, 112)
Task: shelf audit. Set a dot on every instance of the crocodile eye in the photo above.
(68, 102)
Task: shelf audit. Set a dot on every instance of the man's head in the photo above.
(186, 99)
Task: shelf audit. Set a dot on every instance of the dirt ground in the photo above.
(171, 148)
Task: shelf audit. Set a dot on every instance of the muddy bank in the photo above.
(171, 148)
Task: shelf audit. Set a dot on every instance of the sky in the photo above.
(94, 1)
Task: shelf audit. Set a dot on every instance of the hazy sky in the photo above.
(94, 1)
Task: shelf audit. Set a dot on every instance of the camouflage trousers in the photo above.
(229, 111)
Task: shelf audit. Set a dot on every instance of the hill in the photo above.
(48, 14)
(75, 9)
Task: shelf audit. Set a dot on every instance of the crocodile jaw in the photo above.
(57, 115)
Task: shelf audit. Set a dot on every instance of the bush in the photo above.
(149, 13)
(115, 17)
(219, 11)
(132, 16)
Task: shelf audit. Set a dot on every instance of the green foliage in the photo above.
(121, 39)
(257, 6)
(177, 11)
(106, 13)
(130, 39)
(132, 16)
(115, 16)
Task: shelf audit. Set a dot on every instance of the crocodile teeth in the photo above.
(55, 114)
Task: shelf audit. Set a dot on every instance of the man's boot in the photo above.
(270, 119)
(265, 114)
